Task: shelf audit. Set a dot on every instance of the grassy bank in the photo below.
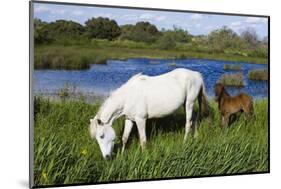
(64, 152)
(80, 56)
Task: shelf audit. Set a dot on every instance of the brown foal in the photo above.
(229, 105)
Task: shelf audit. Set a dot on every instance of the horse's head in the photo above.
(219, 89)
(104, 134)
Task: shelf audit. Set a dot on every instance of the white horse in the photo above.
(143, 97)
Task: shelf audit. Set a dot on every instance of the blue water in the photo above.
(102, 79)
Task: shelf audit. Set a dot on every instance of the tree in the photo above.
(141, 32)
(56, 31)
(64, 28)
(166, 41)
(249, 35)
(178, 35)
(41, 33)
(223, 38)
(102, 28)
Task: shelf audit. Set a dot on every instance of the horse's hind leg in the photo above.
(188, 114)
(127, 130)
(195, 123)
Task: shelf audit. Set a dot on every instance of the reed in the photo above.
(65, 153)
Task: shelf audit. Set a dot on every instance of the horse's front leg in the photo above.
(141, 129)
(127, 130)
(188, 115)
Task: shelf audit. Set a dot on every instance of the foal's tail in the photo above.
(202, 101)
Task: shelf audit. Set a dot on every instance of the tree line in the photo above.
(221, 40)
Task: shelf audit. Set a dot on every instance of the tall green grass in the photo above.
(64, 152)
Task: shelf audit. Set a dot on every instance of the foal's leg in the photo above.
(127, 130)
(249, 110)
(224, 120)
(188, 115)
(141, 128)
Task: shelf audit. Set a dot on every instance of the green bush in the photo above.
(102, 28)
(235, 79)
(221, 39)
(258, 74)
(166, 41)
(140, 32)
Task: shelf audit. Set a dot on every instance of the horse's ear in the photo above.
(222, 88)
(99, 122)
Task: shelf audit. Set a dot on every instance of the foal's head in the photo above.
(219, 91)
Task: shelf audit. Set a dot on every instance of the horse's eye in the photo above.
(102, 136)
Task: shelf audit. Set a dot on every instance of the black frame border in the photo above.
(31, 69)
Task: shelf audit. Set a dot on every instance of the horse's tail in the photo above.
(202, 101)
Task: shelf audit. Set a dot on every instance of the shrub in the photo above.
(102, 28)
(258, 74)
(231, 67)
(221, 39)
(141, 32)
(166, 41)
(232, 79)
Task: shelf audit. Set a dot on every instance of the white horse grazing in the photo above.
(143, 97)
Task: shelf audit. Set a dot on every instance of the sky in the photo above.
(194, 23)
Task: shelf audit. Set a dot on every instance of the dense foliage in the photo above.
(220, 40)
(105, 36)
(102, 28)
(140, 32)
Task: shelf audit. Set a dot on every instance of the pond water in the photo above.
(102, 79)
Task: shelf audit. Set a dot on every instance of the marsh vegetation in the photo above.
(68, 45)
(258, 74)
(65, 153)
